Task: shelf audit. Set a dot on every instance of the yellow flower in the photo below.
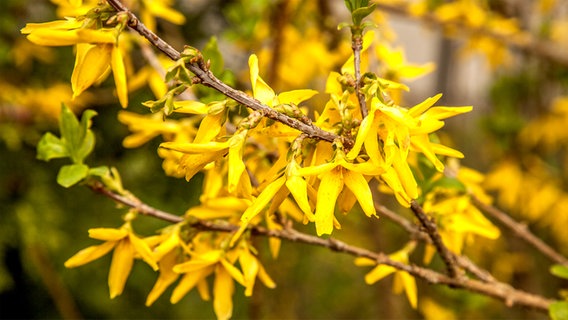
(264, 93)
(97, 52)
(402, 280)
(152, 9)
(205, 261)
(458, 219)
(126, 247)
(333, 177)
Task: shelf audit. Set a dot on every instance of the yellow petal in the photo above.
(194, 148)
(261, 91)
(424, 105)
(107, 234)
(409, 285)
(317, 170)
(446, 151)
(190, 107)
(263, 199)
(236, 164)
(188, 281)
(440, 113)
(47, 37)
(378, 273)
(89, 254)
(360, 188)
(166, 246)
(203, 289)
(159, 9)
(329, 188)
(406, 177)
(209, 127)
(107, 36)
(90, 64)
(423, 144)
(265, 278)
(190, 164)
(143, 249)
(299, 189)
(196, 264)
(250, 267)
(165, 279)
(364, 129)
(119, 74)
(296, 96)
(223, 288)
(365, 262)
(120, 267)
(68, 24)
(233, 271)
(391, 178)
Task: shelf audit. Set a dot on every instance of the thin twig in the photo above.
(357, 46)
(417, 234)
(521, 231)
(208, 79)
(496, 290)
(430, 227)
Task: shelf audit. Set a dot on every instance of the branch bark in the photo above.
(357, 46)
(208, 79)
(498, 290)
(432, 230)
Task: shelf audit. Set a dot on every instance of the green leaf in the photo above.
(558, 310)
(211, 52)
(353, 5)
(101, 171)
(360, 13)
(51, 147)
(77, 137)
(71, 174)
(559, 271)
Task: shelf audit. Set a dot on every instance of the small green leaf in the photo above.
(211, 52)
(155, 106)
(86, 147)
(559, 271)
(77, 137)
(51, 147)
(361, 13)
(71, 174)
(558, 310)
(101, 171)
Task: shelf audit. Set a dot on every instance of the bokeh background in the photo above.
(519, 116)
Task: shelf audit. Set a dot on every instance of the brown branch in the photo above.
(521, 231)
(208, 79)
(496, 290)
(417, 234)
(430, 227)
(523, 41)
(357, 46)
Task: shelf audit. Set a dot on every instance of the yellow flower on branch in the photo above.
(403, 281)
(97, 51)
(205, 261)
(334, 175)
(127, 246)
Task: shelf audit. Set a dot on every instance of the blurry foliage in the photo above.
(42, 225)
